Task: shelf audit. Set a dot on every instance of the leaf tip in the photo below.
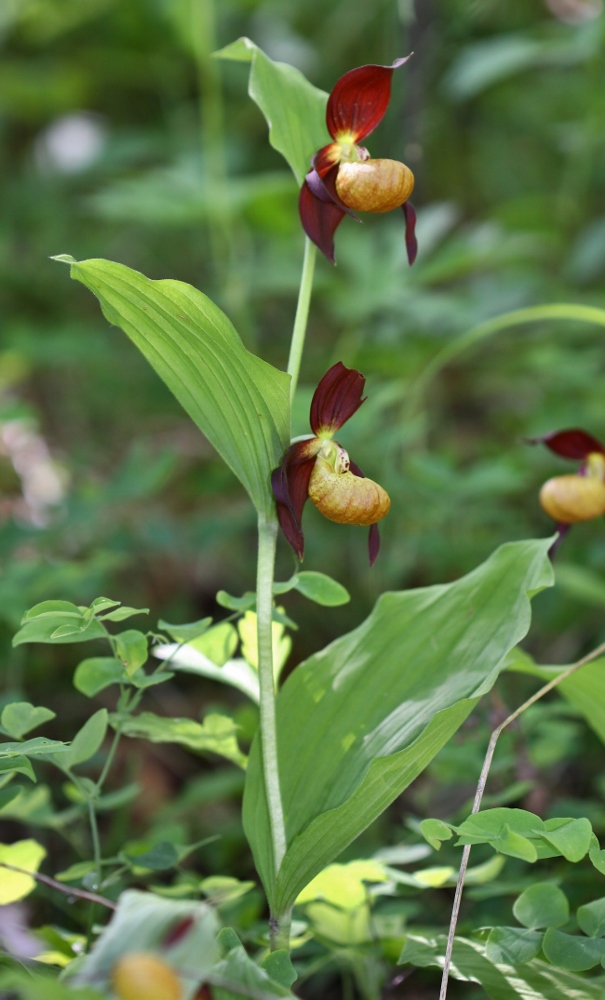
(64, 258)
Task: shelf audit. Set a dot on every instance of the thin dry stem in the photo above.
(479, 795)
(92, 897)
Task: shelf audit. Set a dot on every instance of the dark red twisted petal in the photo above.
(290, 485)
(373, 543)
(573, 443)
(411, 242)
(359, 100)
(562, 530)
(337, 397)
(320, 220)
(356, 470)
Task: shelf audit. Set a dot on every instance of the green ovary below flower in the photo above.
(319, 469)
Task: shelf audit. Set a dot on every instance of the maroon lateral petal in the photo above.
(290, 484)
(359, 100)
(354, 468)
(573, 443)
(285, 513)
(320, 220)
(411, 242)
(562, 530)
(337, 397)
(373, 543)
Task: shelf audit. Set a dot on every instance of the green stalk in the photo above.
(267, 540)
(302, 315)
(533, 314)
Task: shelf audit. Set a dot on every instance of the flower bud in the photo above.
(374, 185)
(343, 497)
(571, 499)
(143, 976)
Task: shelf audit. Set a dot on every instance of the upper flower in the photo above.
(344, 176)
(580, 496)
(321, 469)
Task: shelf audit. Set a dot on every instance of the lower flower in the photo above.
(319, 469)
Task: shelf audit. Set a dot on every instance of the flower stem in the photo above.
(487, 763)
(302, 314)
(267, 539)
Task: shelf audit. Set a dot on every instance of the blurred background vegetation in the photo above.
(122, 138)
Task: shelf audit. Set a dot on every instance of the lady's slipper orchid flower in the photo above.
(319, 468)
(345, 179)
(580, 496)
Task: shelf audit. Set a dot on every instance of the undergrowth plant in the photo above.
(353, 725)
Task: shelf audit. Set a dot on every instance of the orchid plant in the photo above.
(354, 724)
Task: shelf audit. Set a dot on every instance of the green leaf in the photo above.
(185, 633)
(247, 977)
(542, 905)
(42, 986)
(515, 845)
(512, 945)
(27, 854)
(44, 628)
(17, 763)
(279, 968)
(294, 109)
(218, 644)
(103, 603)
(598, 859)
(121, 614)
(535, 980)
(344, 885)
(245, 603)
(572, 839)
(131, 647)
(146, 922)
(217, 734)
(591, 918)
(20, 717)
(585, 689)
(238, 401)
(50, 609)
(489, 825)
(97, 673)
(8, 794)
(220, 889)
(435, 832)
(320, 588)
(87, 740)
(76, 872)
(160, 857)
(358, 721)
(575, 954)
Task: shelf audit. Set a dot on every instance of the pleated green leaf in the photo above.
(534, 980)
(237, 400)
(358, 721)
(294, 109)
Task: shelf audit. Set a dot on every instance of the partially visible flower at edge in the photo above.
(578, 496)
(319, 468)
(345, 178)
